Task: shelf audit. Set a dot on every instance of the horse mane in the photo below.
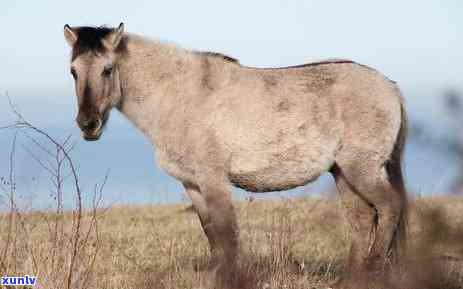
(89, 39)
(217, 55)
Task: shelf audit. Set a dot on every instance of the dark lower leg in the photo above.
(222, 222)
(362, 220)
(385, 208)
(381, 254)
(199, 204)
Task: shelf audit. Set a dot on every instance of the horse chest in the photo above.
(175, 164)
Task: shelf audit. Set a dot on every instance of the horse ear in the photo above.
(112, 41)
(70, 35)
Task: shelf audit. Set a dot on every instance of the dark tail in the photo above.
(396, 178)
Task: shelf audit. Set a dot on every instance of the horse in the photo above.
(215, 123)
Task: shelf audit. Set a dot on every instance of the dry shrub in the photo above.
(290, 244)
(274, 254)
(435, 259)
(58, 247)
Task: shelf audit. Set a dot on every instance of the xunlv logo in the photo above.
(17, 281)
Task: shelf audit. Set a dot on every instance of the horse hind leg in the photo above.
(370, 180)
(362, 219)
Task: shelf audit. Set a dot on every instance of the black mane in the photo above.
(90, 39)
(219, 55)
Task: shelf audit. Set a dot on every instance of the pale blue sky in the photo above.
(418, 43)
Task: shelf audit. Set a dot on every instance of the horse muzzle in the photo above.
(91, 128)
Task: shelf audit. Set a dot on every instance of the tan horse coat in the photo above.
(216, 123)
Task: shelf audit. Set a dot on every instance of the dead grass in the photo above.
(285, 244)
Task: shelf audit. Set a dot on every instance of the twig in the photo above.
(21, 123)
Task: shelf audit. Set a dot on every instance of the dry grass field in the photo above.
(285, 244)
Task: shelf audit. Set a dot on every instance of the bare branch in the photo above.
(38, 144)
(73, 252)
(21, 124)
(50, 170)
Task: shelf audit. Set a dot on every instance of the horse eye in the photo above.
(74, 73)
(107, 71)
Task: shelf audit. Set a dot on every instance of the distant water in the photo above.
(134, 178)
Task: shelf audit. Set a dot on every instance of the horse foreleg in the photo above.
(201, 209)
(224, 229)
(213, 184)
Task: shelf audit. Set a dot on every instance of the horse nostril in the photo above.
(89, 125)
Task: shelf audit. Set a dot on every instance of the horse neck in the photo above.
(149, 71)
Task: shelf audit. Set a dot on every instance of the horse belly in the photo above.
(281, 166)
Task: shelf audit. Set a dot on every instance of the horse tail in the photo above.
(396, 179)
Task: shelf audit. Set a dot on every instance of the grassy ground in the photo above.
(285, 244)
